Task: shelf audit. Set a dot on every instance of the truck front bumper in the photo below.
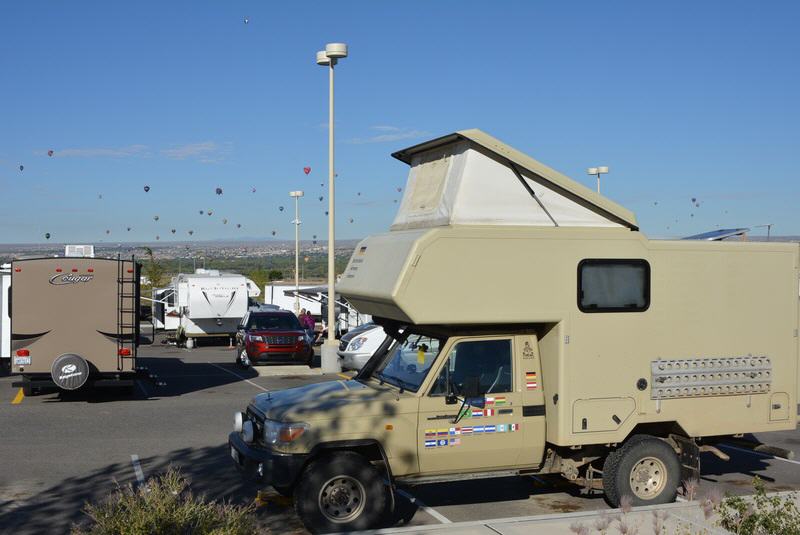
(263, 465)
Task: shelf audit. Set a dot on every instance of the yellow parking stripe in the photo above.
(18, 398)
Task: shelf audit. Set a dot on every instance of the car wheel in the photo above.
(340, 492)
(646, 469)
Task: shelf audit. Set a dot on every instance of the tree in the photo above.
(153, 269)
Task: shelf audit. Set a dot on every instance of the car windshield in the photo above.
(408, 363)
(273, 322)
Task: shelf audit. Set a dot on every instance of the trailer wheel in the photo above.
(340, 492)
(646, 469)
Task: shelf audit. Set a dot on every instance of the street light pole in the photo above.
(329, 57)
(296, 195)
(597, 171)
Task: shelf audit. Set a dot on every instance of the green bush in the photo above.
(165, 506)
(761, 515)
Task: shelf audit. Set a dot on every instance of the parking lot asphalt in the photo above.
(59, 450)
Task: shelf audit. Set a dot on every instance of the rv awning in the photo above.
(471, 178)
(312, 291)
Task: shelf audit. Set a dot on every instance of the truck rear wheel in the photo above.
(340, 492)
(646, 469)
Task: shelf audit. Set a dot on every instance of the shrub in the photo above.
(761, 515)
(165, 506)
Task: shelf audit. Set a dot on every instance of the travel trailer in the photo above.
(5, 318)
(211, 303)
(74, 322)
(166, 313)
(617, 362)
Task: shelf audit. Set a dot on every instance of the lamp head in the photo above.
(603, 169)
(591, 171)
(322, 58)
(336, 50)
(295, 194)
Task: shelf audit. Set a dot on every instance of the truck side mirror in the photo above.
(473, 392)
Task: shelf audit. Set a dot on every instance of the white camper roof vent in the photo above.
(471, 178)
(79, 251)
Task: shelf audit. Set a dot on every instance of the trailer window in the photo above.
(613, 285)
(489, 360)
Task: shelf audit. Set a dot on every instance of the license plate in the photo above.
(22, 361)
(234, 454)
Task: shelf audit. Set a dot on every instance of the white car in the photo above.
(359, 344)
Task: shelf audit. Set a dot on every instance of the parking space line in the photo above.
(239, 377)
(430, 510)
(137, 469)
(743, 450)
(19, 397)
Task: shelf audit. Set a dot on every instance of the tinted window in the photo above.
(613, 285)
(488, 360)
(273, 322)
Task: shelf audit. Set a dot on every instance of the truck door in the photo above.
(485, 437)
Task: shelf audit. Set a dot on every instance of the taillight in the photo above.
(124, 352)
(130, 271)
(59, 270)
(90, 270)
(17, 270)
(74, 270)
(23, 353)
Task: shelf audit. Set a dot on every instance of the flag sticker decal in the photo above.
(531, 381)
(439, 438)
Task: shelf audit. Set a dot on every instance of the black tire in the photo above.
(663, 465)
(340, 477)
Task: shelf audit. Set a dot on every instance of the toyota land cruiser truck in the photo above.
(536, 331)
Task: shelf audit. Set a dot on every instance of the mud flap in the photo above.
(689, 457)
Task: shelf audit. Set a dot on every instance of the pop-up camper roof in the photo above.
(471, 178)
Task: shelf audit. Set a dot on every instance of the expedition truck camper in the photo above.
(74, 322)
(618, 361)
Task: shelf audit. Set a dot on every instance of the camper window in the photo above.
(488, 360)
(613, 285)
(409, 362)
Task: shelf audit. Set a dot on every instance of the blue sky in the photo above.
(680, 99)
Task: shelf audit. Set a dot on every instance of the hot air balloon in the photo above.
(224, 221)
(238, 225)
(322, 184)
(694, 199)
(21, 167)
(129, 229)
(655, 203)
(246, 20)
(314, 242)
(201, 212)
(191, 232)
(100, 196)
(399, 189)
(158, 237)
(697, 205)
(253, 189)
(173, 231)
(46, 235)
(326, 212)
(395, 201)
(359, 194)
(315, 236)
(209, 212)
(108, 231)
(218, 191)
(280, 208)
(50, 152)
(306, 170)
(155, 218)
(146, 189)
(273, 232)
(351, 219)
(320, 198)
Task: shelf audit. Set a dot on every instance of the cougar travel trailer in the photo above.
(5, 319)
(211, 303)
(74, 322)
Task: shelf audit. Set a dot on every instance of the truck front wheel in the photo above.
(340, 492)
(646, 469)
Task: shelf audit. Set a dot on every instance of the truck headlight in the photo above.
(282, 432)
(255, 338)
(247, 431)
(356, 344)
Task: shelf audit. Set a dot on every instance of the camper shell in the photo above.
(538, 331)
(74, 322)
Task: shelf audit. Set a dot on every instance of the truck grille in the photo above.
(280, 340)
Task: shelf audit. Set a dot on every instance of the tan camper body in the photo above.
(85, 307)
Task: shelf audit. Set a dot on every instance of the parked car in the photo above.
(272, 336)
(359, 344)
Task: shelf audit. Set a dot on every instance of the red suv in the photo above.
(273, 336)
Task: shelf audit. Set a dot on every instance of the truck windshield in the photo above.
(273, 322)
(407, 364)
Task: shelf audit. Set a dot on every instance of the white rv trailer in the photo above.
(211, 303)
(166, 313)
(282, 295)
(5, 317)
